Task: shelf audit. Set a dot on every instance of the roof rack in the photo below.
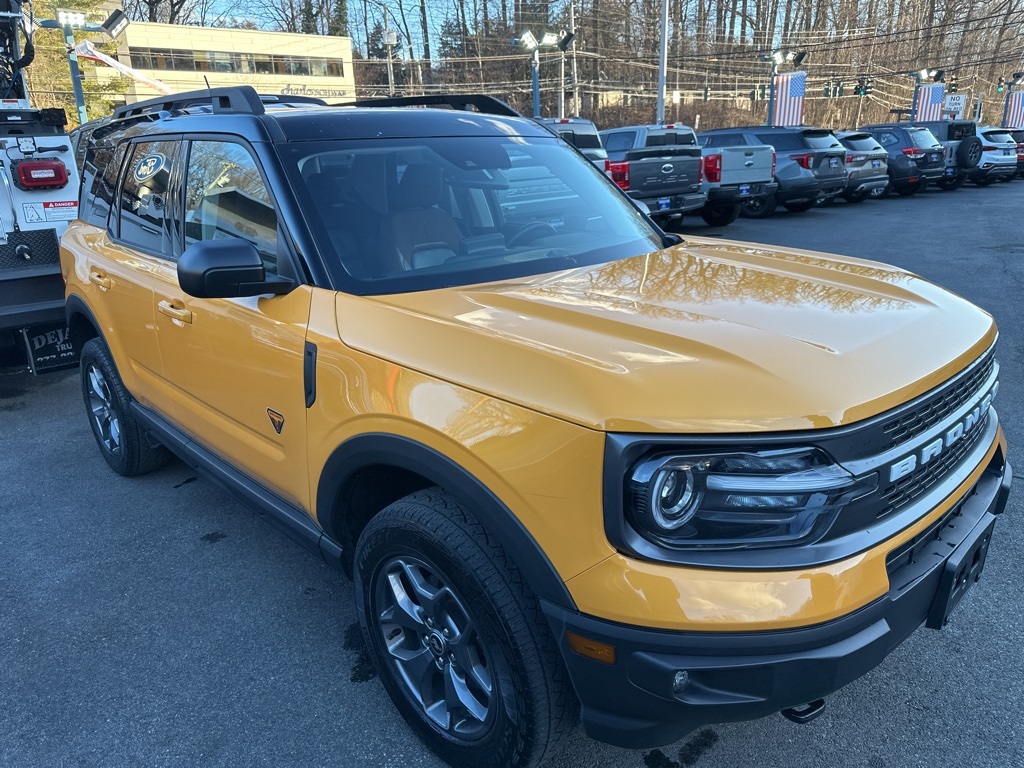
(239, 100)
(461, 101)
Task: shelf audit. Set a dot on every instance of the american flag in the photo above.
(789, 98)
(1015, 111)
(929, 101)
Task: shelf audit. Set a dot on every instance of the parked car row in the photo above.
(720, 174)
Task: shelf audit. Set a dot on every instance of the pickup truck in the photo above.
(659, 166)
(734, 176)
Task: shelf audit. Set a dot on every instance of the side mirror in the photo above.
(226, 269)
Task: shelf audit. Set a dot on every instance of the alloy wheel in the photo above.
(434, 645)
(104, 414)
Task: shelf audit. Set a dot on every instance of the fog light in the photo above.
(680, 681)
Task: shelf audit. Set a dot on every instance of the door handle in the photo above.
(100, 279)
(177, 313)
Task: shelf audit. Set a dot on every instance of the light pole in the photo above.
(390, 40)
(528, 41)
(662, 64)
(68, 22)
(777, 59)
(935, 75)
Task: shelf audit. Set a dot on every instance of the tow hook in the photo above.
(805, 713)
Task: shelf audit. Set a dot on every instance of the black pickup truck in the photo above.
(659, 166)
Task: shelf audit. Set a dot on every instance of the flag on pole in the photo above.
(1015, 111)
(87, 50)
(790, 90)
(929, 101)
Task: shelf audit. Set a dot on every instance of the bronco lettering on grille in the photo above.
(926, 453)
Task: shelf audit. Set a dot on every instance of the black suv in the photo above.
(810, 165)
(916, 158)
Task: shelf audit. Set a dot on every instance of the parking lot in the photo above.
(155, 621)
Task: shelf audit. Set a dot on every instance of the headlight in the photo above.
(741, 499)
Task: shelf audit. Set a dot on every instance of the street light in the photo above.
(528, 41)
(777, 59)
(68, 21)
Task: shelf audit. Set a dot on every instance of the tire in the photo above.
(825, 202)
(427, 551)
(760, 208)
(1007, 179)
(800, 207)
(948, 184)
(907, 190)
(127, 448)
(720, 214)
(983, 182)
(857, 197)
(968, 154)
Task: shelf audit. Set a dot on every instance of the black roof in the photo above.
(242, 111)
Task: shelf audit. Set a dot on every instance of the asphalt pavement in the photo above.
(156, 622)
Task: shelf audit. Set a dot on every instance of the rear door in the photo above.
(746, 164)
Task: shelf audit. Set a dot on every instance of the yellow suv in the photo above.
(575, 466)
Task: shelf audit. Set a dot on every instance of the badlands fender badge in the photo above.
(276, 420)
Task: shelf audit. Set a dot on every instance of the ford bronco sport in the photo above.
(570, 461)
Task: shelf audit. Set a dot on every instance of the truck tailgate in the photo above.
(660, 171)
(743, 165)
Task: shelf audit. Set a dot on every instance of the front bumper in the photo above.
(746, 675)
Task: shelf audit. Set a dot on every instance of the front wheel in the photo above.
(949, 183)
(457, 638)
(126, 447)
(856, 197)
(800, 207)
(720, 215)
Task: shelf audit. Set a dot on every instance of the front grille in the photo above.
(916, 421)
(918, 482)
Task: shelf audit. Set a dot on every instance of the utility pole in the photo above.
(575, 79)
(662, 64)
(76, 75)
(561, 86)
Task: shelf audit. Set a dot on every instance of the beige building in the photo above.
(185, 58)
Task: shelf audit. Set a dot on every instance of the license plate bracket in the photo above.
(664, 203)
(876, 163)
(833, 162)
(744, 189)
(960, 572)
(950, 171)
(49, 348)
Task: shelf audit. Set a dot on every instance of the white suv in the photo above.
(998, 157)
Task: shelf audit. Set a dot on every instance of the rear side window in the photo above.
(888, 139)
(99, 176)
(225, 197)
(923, 138)
(958, 131)
(621, 141)
(783, 141)
(144, 218)
(729, 140)
(585, 140)
(1018, 136)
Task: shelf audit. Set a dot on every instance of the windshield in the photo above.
(413, 214)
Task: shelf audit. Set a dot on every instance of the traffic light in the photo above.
(858, 89)
(867, 86)
(707, 93)
(1001, 85)
(952, 86)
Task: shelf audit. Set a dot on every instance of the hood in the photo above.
(707, 336)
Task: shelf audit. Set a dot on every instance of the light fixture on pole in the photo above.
(777, 59)
(68, 21)
(563, 46)
(528, 41)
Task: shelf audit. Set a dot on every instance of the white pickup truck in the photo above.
(734, 176)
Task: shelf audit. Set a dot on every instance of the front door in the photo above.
(236, 365)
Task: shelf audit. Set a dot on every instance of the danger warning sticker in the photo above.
(56, 210)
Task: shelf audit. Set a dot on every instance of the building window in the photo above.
(237, 63)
